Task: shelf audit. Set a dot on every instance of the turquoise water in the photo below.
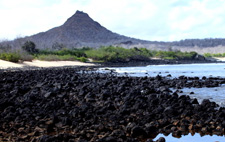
(216, 94)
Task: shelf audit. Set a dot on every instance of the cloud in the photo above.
(199, 19)
(145, 19)
(27, 17)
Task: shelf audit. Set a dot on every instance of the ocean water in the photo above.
(200, 70)
(216, 94)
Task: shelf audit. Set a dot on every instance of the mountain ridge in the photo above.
(80, 30)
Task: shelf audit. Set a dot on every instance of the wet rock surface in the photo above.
(72, 105)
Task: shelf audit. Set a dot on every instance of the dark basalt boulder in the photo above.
(199, 57)
(72, 105)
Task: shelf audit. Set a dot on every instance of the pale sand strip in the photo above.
(220, 58)
(6, 64)
(38, 63)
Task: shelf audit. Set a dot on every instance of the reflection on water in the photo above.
(195, 138)
(215, 94)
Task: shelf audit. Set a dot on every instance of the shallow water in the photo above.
(189, 138)
(216, 94)
(200, 70)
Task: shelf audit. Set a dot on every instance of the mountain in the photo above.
(79, 31)
(82, 31)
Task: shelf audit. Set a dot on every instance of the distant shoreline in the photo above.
(133, 63)
(157, 62)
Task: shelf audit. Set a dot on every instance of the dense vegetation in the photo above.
(15, 56)
(10, 56)
(63, 54)
(175, 55)
(121, 54)
(104, 54)
(214, 55)
(111, 54)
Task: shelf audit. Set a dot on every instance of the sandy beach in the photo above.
(38, 63)
(220, 58)
(6, 64)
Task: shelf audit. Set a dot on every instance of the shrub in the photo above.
(186, 55)
(12, 57)
(56, 58)
(121, 54)
(214, 55)
(109, 54)
(169, 58)
(175, 55)
(25, 56)
(65, 51)
(82, 59)
(218, 55)
(63, 54)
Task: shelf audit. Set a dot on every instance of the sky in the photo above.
(155, 20)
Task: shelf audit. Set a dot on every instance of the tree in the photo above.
(30, 47)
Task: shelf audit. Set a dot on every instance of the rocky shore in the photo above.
(135, 63)
(74, 104)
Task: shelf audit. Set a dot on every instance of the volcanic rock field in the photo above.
(77, 105)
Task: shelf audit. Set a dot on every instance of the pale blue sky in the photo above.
(162, 20)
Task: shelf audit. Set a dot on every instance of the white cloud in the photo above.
(27, 17)
(145, 19)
